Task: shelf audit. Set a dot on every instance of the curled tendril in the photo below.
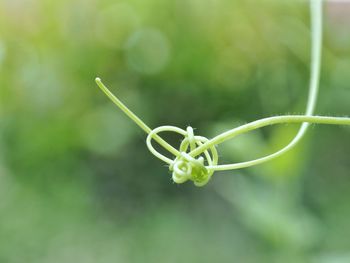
(197, 157)
(186, 167)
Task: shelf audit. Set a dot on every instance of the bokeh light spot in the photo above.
(147, 51)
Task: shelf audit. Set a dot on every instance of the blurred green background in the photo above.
(77, 183)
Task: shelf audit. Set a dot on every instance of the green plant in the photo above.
(197, 157)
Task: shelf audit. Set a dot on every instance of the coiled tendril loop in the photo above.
(185, 166)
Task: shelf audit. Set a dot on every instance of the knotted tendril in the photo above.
(185, 166)
(197, 157)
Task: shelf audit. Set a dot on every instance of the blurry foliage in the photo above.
(72, 168)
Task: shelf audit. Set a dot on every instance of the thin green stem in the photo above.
(316, 48)
(136, 119)
(259, 124)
